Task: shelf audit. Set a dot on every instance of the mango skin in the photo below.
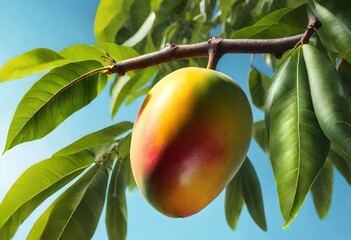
(190, 138)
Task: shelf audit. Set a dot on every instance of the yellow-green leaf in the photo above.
(52, 99)
(35, 185)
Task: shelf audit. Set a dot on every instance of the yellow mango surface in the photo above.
(190, 138)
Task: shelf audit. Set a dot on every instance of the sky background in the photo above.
(25, 25)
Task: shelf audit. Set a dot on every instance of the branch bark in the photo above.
(215, 48)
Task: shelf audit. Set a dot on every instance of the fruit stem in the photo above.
(214, 54)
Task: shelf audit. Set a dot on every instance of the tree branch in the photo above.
(215, 48)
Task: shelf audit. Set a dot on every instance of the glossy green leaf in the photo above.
(244, 187)
(234, 201)
(259, 84)
(76, 212)
(330, 98)
(322, 190)
(345, 73)
(35, 185)
(336, 20)
(127, 85)
(261, 136)
(52, 99)
(123, 153)
(341, 161)
(110, 18)
(281, 23)
(103, 136)
(298, 147)
(252, 194)
(116, 208)
(30, 62)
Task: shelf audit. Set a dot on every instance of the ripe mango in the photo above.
(189, 139)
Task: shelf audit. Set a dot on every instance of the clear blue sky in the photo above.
(25, 25)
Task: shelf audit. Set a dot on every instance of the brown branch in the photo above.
(313, 24)
(215, 48)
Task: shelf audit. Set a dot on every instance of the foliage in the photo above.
(305, 134)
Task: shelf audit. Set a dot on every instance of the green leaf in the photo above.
(35, 185)
(345, 73)
(123, 153)
(322, 190)
(252, 194)
(116, 208)
(41, 59)
(234, 201)
(280, 23)
(110, 18)
(142, 32)
(336, 20)
(52, 99)
(116, 52)
(330, 98)
(143, 91)
(275, 30)
(81, 52)
(245, 187)
(127, 85)
(259, 84)
(261, 136)
(341, 161)
(298, 147)
(76, 212)
(30, 62)
(103, 136)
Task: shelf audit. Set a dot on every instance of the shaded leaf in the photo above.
(336, 20)
(76, 212)
(143, 91)
(259, 84)
(298, 147)
(52, 99)
(345, 73)
(142, 32)
(103, 136)
(261, 136)
(322, 190)
(123, 153)
(341, 161)
(127, 85)
(31, 62)
(28, 192)
(234, 201)
(110, 17)
(330, 98)
(116, 208)
(252, 194)
(280, 23)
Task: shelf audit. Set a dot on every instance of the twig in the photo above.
(215, 48)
